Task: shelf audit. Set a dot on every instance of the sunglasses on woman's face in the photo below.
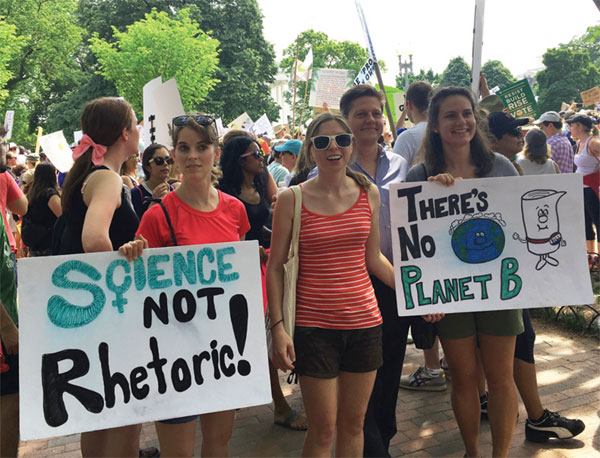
(254, 154)
(323, 141)
(161, 160)
(182, 120)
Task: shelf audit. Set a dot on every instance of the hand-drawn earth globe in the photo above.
(478, 240)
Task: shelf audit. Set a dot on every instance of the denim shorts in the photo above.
(324, 353)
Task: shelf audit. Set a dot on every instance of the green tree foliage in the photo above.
(10, 47)
(47, 62)
(457, 73)
(159, 46)
(568, 72)
(430, 76)
(246, 59)
(326, 54)
(497, 74)
(590, 42)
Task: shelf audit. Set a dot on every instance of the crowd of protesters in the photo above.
(349, 343)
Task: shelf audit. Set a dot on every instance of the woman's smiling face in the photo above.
(456, 123)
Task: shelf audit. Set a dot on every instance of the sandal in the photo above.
(291, 422)
(149, 452)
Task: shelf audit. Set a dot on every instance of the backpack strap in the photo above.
(164, 209)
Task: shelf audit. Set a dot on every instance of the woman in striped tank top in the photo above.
(337, 345)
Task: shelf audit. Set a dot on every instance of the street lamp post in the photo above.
(406, 66)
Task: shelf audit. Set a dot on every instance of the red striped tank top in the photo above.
(333, 290)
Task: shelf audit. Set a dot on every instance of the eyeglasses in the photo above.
(182, 120)
(323, 141)
(161, 160)
(254, 154)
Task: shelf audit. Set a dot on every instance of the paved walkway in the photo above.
(569, 381)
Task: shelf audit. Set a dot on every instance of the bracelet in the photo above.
(280, 321)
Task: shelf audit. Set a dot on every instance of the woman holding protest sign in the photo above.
(337, 340)
(98, 216)
(455, 146)
(195, 213)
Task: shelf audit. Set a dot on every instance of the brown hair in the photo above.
(355, 92)
(431, 148)
(103, 120)
(418, 94)
(305, 160)
(207, 133)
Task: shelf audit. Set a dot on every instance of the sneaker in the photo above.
(483, 401)
(409, 340)
(444, 366)
(552, 425)
(423, 380)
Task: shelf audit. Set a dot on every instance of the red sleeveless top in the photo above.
(333, 290)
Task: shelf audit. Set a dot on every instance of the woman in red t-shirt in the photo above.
(199, 214)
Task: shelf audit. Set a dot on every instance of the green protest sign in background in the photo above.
(519, 100)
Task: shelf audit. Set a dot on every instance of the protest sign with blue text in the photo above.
(106, 343)
(489, 244)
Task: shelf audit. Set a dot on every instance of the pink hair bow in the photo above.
(98, 151)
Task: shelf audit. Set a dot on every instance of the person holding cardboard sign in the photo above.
(337, 340)
(98, 216)
(195, 213)
(455, 146)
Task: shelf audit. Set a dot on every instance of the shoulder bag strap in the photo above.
(296, 224)
(164, 209)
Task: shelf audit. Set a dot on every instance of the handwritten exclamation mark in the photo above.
(238, 311)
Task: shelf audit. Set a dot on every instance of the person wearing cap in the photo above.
(288, 154)
(279, 130)
(276, 169)
(506, 135)
(587, 161)
(32, 160)
(561, 150)
(535, 158)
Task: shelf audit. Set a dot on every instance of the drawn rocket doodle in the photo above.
(478, 238)
(539, 209)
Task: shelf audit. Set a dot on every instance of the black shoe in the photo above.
(552, 425)
(483, 401)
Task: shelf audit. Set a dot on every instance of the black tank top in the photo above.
(258, 214)
(123, 225)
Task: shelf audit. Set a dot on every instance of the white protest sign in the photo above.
(328, 85)
(262, 126)
(366, 72)
(220, 129)
(162, 103)
(77, 136)
(243, 121)
(494, 90)
(9, 119)
(106, 343)
(489, 244)
(57, 149)
(477, 45)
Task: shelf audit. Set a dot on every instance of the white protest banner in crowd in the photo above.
(56, 147)
(489, 244)
(106, 343)
(243, 121)
(220, 129)
(477, 46)
(366, 72)
(77, 136)
(162, 103)
(328, 85)
(591, 96)
(262, 126)
(9, 119)
(398, 105)
(494, 90)
(564, 106)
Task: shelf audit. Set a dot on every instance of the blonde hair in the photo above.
(305, 160)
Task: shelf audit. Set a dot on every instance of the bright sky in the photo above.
(516, 32)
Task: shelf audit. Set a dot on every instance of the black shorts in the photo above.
(525, 341)
(323, 353)
(9, 381)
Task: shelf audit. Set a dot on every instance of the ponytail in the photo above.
(76, 175)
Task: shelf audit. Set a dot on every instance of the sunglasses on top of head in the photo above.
(161, 160)
(202, 120)
(323, 141)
